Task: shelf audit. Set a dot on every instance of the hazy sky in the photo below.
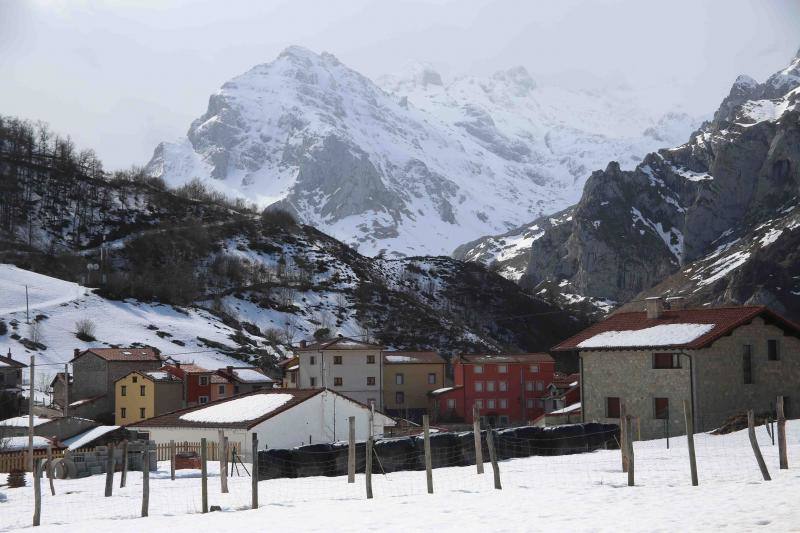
(122, 75)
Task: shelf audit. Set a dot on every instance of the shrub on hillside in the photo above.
(85, 329)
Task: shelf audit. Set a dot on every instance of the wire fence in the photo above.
(309, 473)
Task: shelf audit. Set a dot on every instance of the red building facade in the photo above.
(197, 382)
(507, 389)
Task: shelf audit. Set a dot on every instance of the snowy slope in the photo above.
(413, 169)
(584, 492)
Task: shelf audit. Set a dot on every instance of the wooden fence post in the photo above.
(223, 475)
(37, 492)
(109, 470)
(145, 481)
(629, 441)
(783, 458)
(688, 416)
(124, 476)
(476, 432)
(351, 450)
(368, 466)
(623, 437)
(31, 401)
(427, 446)
(204, 473)
(172, 452)
(50, 469)
(254, 475)
(751, 432)
(493, 458)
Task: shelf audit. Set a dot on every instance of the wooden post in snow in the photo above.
(172, 453)
(623, 437)
(629, 443)
(30, 409)
(223, 474)
(427, 446)
(783, 458)
(123, 478)
(493, 458)
(476, 432)
(109, 470)
(688, 416)
(368, 466)
(254, 475)
(37, 492)
(204, 473)
(351, 450)
(50, 475)
(751, 432)
(145, 481)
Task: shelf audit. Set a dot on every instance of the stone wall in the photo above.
(94, 462)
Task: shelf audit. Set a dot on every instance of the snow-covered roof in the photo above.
(21, 443)
(239, 409)
(22, 421)
(661, 335)
(293, 367)
(251, 375)
(82, 439)
(568, 409)
(442, 390)
(413, 358)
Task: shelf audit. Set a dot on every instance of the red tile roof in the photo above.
(525, 358)
(12, 362)
(725, 320)
(189, 368)
(122, 354)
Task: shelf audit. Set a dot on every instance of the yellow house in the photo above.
(408, 377)
(145, 394)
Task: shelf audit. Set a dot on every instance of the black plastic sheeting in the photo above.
(447, 449)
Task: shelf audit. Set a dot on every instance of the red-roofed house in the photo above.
(507, 389)
(722, 361)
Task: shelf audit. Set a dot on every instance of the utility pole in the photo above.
(66, 390)
(27, 308)
(30, 414)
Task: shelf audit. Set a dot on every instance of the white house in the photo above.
(282, 418)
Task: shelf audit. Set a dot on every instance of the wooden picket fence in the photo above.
(212, 448)
(19, 460)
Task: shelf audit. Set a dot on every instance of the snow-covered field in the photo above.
(586, 492)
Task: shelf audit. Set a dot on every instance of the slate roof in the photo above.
(8, 361)
(524, 358)
(410, 358)
(724, 319)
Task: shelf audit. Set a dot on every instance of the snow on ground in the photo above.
(172, 330)
(586, 492)
(661, 335)
(239, 410)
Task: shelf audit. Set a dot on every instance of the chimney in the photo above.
(177, 364)
(654, 306)
(676, 303)
(229, 370)
(75, 352)
(9, 354)
(303, 343)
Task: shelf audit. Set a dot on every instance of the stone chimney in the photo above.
(9, 354)
(654, 306)
(75, 352)
(229, 370)
(177, 364)
(303, 343)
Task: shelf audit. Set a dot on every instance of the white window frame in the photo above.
(203, 381)
(201, 398)
(479, 404)
(503, 403)
(502, 369)
(431, 378)
(479, 386)
(530, 403)
(451, 403)
(502, 386)
(490, 386)
(533, 369)
(491, 403)
(399, 378)
(478, 369)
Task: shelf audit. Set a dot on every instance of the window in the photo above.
(529, 403)
(370, 380)
(747, 364)
(313, 382)
(123, 413)
(312, 360)
(503, 420)
(293, 377)
(2, 378)
(490, 386)
(503, 386)
(479, 404)
(432, 379)
(502, 369)
(221, 389)
(141, 390)
(666, 360)
(478, 369)
(123, 391)
(503, 403)
(773, 353)
(135, 379)
(529, 386)
(534, 369)
(661, 408)
(203, 400)
(451, 403)
(370, 359)
(236, 388)
(541, 403)
(337, 359)
(479, 386)
(491, 404)
(612, 407)
(399, 398)
(141, 412)
(399, 379)
(540, 386)
(337, 382)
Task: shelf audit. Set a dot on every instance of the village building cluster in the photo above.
(660, 364)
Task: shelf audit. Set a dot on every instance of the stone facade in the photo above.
(718, 381)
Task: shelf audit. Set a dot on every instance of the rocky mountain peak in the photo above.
(517, 76)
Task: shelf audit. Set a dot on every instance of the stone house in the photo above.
(721, 361)
(141, 395)
(61, 386)
(348, 366)
(10, 373)
(410, 377)
(289, 367)
(95, 371)
(53, 428)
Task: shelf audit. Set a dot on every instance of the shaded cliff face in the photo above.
(414, 165)
(698, 217)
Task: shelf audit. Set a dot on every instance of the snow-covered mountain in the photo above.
(412, 168)
(714, 220)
